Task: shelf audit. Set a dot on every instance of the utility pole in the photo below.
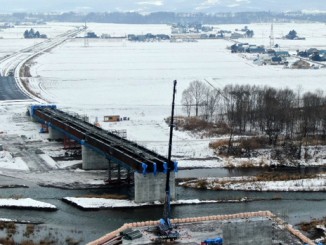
(271, 37)
(86, 43)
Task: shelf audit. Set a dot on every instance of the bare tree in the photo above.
(285, 116)
(187, 101)
(197, 90)
(212, 103)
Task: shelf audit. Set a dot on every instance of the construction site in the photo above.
(263, 228)
(233, 229)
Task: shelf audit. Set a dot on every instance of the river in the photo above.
(292, 206)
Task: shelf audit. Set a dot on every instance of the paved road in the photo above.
(9, 89)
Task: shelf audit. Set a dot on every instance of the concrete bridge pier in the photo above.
(55, 134)
(150, 188)
(93, 160)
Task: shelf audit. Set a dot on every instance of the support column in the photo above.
(119, 173)
(128, 177)
(93, 160)
(55, 134)
(109, 171)
(150, 188)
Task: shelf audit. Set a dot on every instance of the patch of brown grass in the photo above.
(201, 184)
(11, 228)
(47, 242)
(30, 228)
(283, 176)
(7, 241)
(217, 144)
(71, 241)
(27, 243)
(247, 164)
(253, 143)
(309, 226)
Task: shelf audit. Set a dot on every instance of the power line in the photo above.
(218, 90)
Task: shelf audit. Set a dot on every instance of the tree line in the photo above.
(278, 114)
(167, 17)
(33, 34)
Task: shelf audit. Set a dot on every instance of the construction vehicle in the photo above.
(214, 241)
(165, 230)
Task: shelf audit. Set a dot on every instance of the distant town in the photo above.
(165, 17)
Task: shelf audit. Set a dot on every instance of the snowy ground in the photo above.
(251, 184)
(12, 39)
(132, 80)
(100, 203)
(135, 80)
(25, 203)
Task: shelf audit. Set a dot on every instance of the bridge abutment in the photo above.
(93, 160)
(150, 188)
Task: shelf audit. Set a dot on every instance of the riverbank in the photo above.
(316, 229)
(255, 183)
(103, 203)
(26, 203)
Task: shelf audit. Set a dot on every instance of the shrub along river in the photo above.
(89, 225)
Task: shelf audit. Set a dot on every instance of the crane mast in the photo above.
(166, 212)
(165, 228)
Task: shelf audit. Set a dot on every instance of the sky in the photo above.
(146, 6)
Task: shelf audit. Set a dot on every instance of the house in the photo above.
(311, 51)
(263, 59)
(322, 52)
(276, 60)
(282, 53)
(270, 52)
(259, 61)
(236, 35)
(303, 54)
(256, 49)
(239, 48)
(317, 57)
(112, 118)
(91, 35)
(203, 36)
(163, 37)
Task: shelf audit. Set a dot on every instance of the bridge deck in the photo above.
(111, 145)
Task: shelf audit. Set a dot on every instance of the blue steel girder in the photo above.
(82, 142)
(111, 146)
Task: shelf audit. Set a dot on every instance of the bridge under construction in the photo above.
(101, 147)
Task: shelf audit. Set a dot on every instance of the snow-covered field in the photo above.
(12, 39)
(251, 184)
(134, 80)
